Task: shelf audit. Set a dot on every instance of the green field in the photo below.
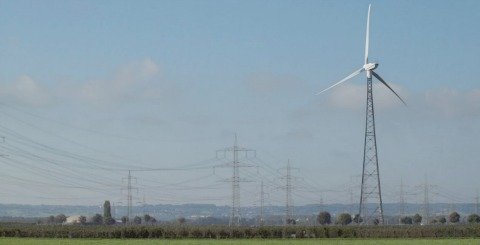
(33, 241)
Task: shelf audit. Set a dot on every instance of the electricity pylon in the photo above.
(261, 220)
(235, 164)
(289, 206)
(129, 188)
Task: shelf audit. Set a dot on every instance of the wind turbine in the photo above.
(371, 207)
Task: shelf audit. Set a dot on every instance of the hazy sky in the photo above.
(89, 89)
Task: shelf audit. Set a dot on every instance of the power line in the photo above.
(96, 132)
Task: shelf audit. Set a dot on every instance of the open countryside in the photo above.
(256, 122)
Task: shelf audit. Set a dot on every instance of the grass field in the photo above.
(33, 241)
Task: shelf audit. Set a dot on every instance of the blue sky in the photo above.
(166, 83)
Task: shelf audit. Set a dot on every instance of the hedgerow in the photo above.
(224, 232)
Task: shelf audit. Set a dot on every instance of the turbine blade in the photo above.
(388, 86)
(367, 40)
(343, 80)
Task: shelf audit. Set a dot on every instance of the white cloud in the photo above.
(451, 102)
(265, 83)
(473, 98)
(135, 81)
(25, 90)
(436, 102)
(130, 82)
(353, 96)
(299, 135)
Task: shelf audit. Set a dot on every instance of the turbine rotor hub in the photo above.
(370, 66)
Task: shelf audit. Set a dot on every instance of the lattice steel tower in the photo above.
(235, 209)
(288, 195)
(289, 207)
(261, 220)
(235, 164)
(130, 181)
(370, 191)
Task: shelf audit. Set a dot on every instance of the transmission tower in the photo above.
(350, 194)
(321, 205)
(370, 191)
(288, 191)
(289, 206)
(401, 212)
(144, 204)
(262, 205)
(129, 195)
(235, 164)
(426, 201)
(426, 204)
(452, 207)
(477, 203)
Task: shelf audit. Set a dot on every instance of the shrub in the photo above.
(124, 220)
(473, 218)
(344, 219)
(60, 218)
(454, 217)
(137, 220)
(324, 218)
(417, 219)
(442, 220)
(406, 220)
(97, 219)
(357, 219)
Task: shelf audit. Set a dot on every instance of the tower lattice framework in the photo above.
(371, 207)
(235, 164)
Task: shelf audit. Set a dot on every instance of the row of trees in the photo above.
(98, 219)
(57, 219)
(147, 219)
(453, 218)
(324, 218)
(109, 220)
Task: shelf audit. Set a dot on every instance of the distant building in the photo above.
(71, 220)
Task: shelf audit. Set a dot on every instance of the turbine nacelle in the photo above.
(370, 66)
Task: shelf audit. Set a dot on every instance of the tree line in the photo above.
(324, 218)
